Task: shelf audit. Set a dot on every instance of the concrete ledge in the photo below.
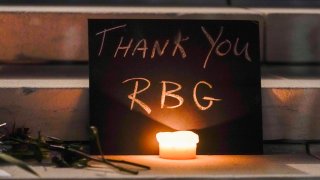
(291, 35)
(287, 113)
(297, 166)
(41, 34)
(58, 112)
(45, 98)
(84, 83)
(291, 113)
(173, 11)
(276, 4)
(76, 76)
(119, 2)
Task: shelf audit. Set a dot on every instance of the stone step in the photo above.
(291, 35)
(119, 3)
(184, 3)
(277, 3)
(55, 100)
(42, 34)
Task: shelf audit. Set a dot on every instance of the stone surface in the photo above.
(42, 34)
(275, 3)
(282, 148)
(287, 113)
(292, 35)
(62, 113)
(120, 2)
(315, 148)
(55, 100)
(291, 113)
(204, 167)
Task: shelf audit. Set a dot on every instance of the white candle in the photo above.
(177, 145)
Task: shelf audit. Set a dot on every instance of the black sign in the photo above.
(149, 76)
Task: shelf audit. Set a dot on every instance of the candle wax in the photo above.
(177, 145)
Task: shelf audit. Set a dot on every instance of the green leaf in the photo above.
(37, 153)
(55, 139)
(81, 163)
(59, 162)
(17, 162)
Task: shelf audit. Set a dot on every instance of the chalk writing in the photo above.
(210, 99)
(178, 45)
(142, 45)
(120, 47)
(244, 50)
(170, 94)
(136, 91)
(143, 49)
(218, 46)
(212, 43)
(104, 35)
(156, 46)
(167, 93)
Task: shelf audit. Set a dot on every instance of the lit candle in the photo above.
(177, 145)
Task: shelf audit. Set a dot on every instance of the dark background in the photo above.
(232, 126)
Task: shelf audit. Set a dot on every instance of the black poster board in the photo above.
(148, 76)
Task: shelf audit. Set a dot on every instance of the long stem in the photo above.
(129, 163)
(102, 160)
(95, 134)
(63, 148)
(93, 158)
